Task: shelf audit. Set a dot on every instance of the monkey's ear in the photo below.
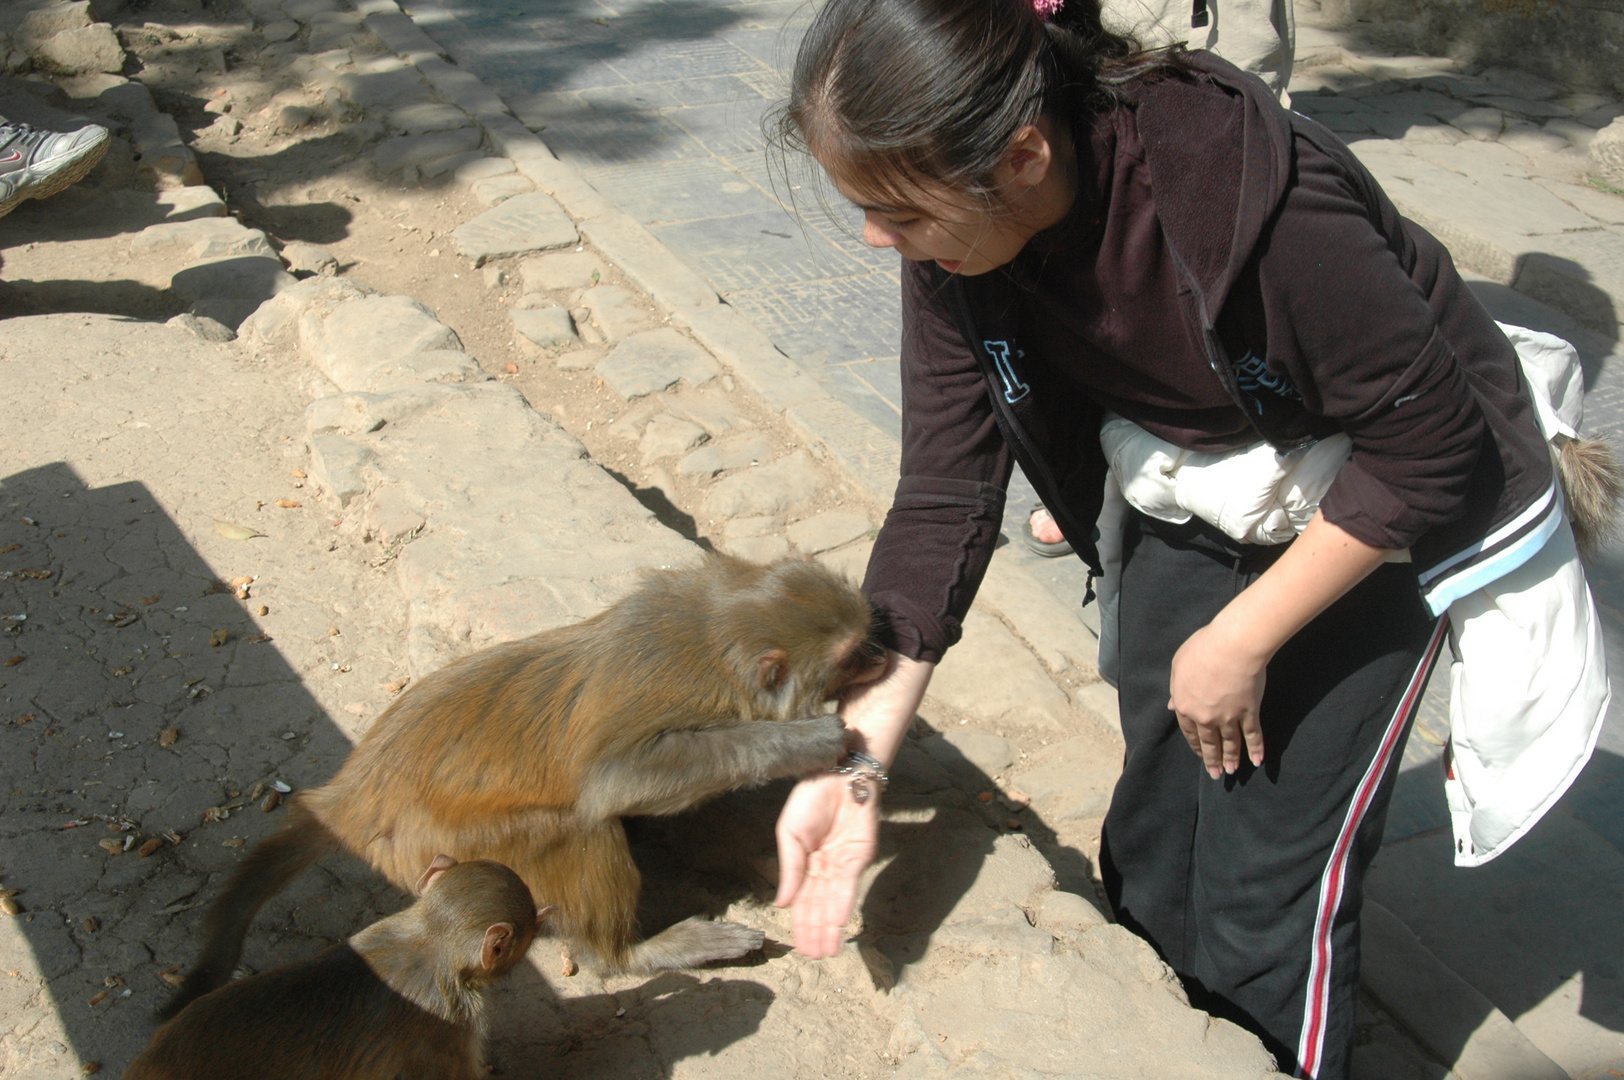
(498, 942)
(440, 865)
(545, 913)
(771, 669)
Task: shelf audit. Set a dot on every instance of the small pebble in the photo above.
(263, 610)
(168, 737)
(91, 924)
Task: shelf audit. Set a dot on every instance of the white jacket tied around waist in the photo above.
(1529, 685)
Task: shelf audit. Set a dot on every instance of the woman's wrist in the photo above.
(877, 714)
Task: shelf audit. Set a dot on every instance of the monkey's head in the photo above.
(481, 913)
(801, 634)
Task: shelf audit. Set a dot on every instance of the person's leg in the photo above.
(1281, 850)
(1249, 886)
(35, 164)
(1168, 590)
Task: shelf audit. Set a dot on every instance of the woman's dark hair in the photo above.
(901, 91)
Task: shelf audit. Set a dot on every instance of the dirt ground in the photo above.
(332, 610)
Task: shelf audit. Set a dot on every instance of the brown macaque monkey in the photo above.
(403, 998)
(701, 681)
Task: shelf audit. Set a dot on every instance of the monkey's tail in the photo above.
(269, 867)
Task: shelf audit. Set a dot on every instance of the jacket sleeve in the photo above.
(939, 535)
(1359, 340)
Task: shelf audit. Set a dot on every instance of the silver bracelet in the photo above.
(861, 768)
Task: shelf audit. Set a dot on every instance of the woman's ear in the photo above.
(1028, 160)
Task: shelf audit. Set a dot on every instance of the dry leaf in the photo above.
(25, 718)
(397, 686)
(218, 638)
(149, 847)
(9, 548)
(91, 924)
(256, 791)
(167, 738)
(288, 504)
(234, 532)
(5, 893)
(148, 601)
(14, 661)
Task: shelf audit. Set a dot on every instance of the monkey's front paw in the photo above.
(820, 742)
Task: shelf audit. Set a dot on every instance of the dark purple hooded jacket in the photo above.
(1314, 304)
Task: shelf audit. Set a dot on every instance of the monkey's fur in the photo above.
(403, 998)
(529, 753)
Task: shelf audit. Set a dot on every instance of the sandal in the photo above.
(1047, 550)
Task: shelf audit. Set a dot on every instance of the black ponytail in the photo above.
(900, 92)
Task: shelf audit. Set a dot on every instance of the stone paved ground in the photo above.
(660, 106)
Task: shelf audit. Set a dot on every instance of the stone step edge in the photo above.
(1551, 280)
(1449, 1017)
(867, 456)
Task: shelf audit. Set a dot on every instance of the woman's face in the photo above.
(962, 235)
(965, 234)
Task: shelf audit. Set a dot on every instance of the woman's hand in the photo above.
(1216, 690)
(826, 839)
(1216, 685)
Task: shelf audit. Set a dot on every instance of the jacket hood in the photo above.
(1239, 143)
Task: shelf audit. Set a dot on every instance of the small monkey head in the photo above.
(481, 912)
(808, 634)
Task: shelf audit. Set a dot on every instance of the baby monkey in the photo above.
(403, 998)
(701, 681)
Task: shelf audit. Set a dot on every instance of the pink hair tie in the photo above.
(1048, 9)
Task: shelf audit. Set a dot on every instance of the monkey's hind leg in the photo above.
(692, 942)
(594, 883)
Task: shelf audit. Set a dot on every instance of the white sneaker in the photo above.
(34, 164)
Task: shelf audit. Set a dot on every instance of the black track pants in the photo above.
(1249, 886)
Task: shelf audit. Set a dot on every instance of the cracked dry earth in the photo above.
(145, 697)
